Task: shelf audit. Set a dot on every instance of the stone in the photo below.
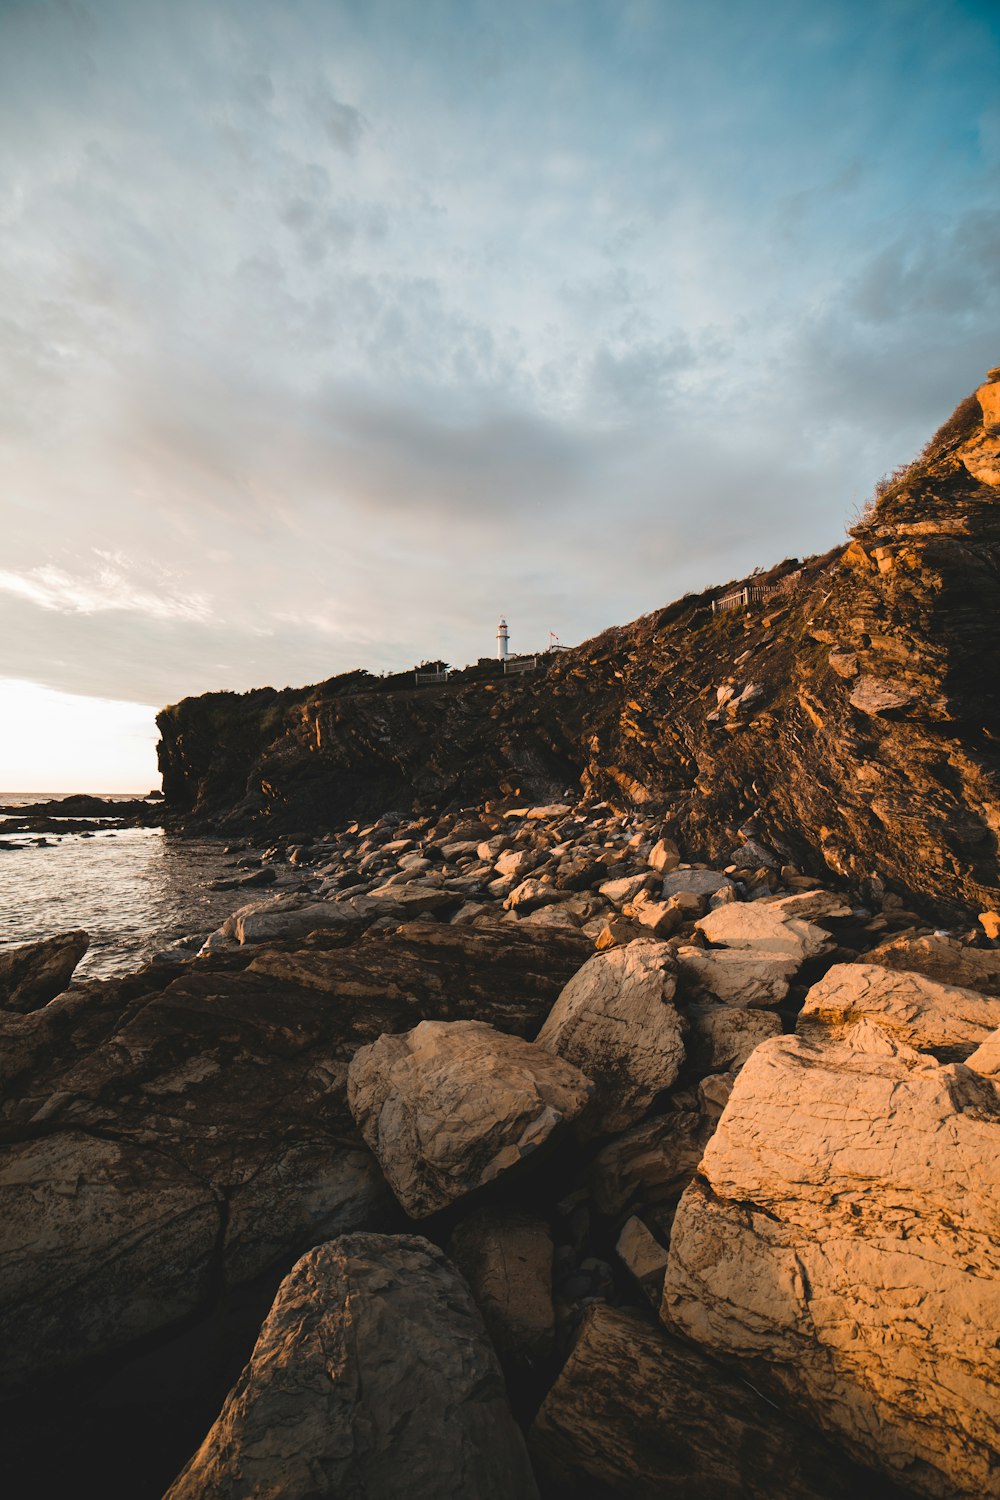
(843, 1240)
(697, 882)
(762, 927)
(450, 1106)
(879, 695)
(989, 921)
(986, 1058)
(617, 1022)
(660, 918)
(551, 811)
(922, 1012)
(664, 856)
(637, 1414)
(104, 1242)
(616, 931)
(943, 958)
(626, 888)
(32, 974)
(844, 662)
(736, 976)
(506, 1259)
(752, 855)
(531, 894)
(372, 1376)
(281, 917)
(646, 1169)
(643, 1257)
(809, 906)
(722, 1037)
(516, 862)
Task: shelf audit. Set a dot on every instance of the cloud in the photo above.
(108, 588)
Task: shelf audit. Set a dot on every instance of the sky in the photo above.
(330, 330)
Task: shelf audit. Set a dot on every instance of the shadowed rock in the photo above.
(373, 1377)
(34, 973)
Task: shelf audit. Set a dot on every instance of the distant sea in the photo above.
(135, 890)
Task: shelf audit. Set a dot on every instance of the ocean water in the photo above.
(135, 890)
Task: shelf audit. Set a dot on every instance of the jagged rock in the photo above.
(763, 927)
(32, 974)
(664, 856)
(371, 1376)
(942, 958)
(283, 916)
(626, 888)
(919, 1011)
(722, 1037)
(516, 862)
(809, 906)
(531, 894)
(103, 1242)
(506, 1258)
(842, 1237)
(635, 1413)
(646, 1169)
(616, 1021)
(738, 976)
(660, 918)
(616, 931)
(643, 1257)
(451, 1105)
(986, 1058)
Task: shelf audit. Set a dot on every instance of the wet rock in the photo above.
(506, 1259)
(371, 1376)
(32, 974)
(922, 1012)
(842, 1237)
(638, 1414)
(449, 1106)
(617, 1022)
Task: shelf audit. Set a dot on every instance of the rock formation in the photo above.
(842, 1240)
(372, 1376)
(34, 973)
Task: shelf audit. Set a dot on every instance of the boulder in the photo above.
(449, 1106)
(286, 917)
(722, 1037)
(103, 1242)
(809, 906)
(986, 1058)
(625, 888)
(32, 974)
(747, 978)
(516, 862)
(925, 1014)
(763, 927)
(697, 882)
(639, 1415)
(372, 1376)
(664, 856)
(646, 1169)
(506, 1259)
(530, 894)
(842, 1239)
(643, 1257)
(616, 1020)
(942, 958)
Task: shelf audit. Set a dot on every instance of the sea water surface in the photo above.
(135, 890)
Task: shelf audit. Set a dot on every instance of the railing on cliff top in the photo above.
(441, 676)
(754, 593)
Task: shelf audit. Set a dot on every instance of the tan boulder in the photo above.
(741, 977)
(664, 856)
(617, 1022)
(763, 926)
(451, 1105)
(639, 1415)
(372, 1376)
(919, 1011)
(722, 1037)
(942, 958)
(809, 906)
(843, 1239)
(986, 1058)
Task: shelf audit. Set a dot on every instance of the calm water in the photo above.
(135, 890)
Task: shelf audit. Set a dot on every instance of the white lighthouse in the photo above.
(502, 639)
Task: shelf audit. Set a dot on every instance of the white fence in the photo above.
(422, 677)
(756, 593)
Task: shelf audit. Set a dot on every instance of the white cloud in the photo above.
(107, 587)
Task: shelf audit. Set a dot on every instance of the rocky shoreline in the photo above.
(599, 1137)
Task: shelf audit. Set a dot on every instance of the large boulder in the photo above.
(32, 974)
(925, 1014)
(372, 1376)
(942, 958)
(506, 1259)
(103, 1242)
(763, 927)
(635, 1413)
(747, 978)
(616, 1020)
(843, 1238)
(722, 1037)
(451, 1105)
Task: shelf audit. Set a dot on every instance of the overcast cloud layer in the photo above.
(330, 331)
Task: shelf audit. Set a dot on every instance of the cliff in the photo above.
(849, 723)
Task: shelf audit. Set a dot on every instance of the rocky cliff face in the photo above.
(850, 723)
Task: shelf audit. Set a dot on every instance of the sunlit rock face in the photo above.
(841, 1241)
(867, 746)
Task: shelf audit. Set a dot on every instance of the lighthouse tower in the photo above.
(502, 639)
